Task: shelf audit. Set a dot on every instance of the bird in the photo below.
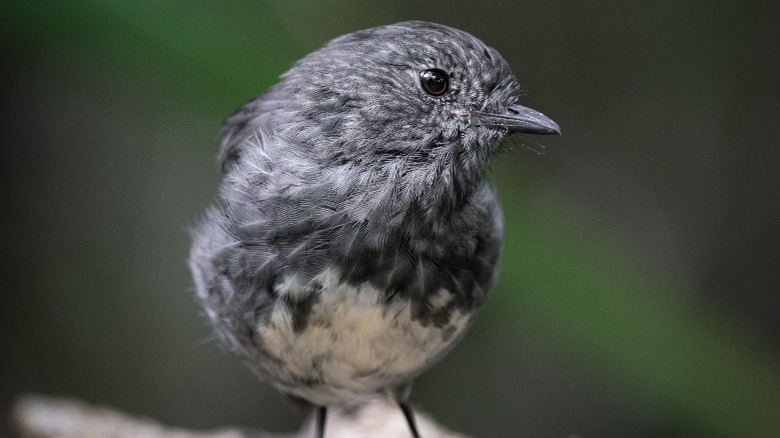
(354, 237)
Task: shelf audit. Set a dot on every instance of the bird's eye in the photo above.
(434, 81)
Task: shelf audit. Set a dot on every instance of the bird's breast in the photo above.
(353, 343)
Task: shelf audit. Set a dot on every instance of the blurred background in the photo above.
(640, 276)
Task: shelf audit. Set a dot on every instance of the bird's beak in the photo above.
(517, 118)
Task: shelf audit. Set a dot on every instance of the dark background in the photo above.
(639, 291)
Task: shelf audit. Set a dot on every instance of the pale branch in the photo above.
(36, 416)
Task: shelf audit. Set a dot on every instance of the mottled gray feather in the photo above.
(348, 165)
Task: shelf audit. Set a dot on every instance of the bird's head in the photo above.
(405, 114)
(406, 90)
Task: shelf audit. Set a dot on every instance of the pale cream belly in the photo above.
(354, 345)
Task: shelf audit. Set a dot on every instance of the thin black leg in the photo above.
(319, 427)
(409, 414)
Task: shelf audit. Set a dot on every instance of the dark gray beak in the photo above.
(518, 119)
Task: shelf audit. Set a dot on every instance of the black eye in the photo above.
(434, 81)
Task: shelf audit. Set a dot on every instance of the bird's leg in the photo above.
(409, 414)
(319, 427)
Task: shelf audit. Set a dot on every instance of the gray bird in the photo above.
(354, 239)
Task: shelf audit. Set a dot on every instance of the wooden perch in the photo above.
(37, 416)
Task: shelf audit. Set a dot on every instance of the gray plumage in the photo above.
(354, 238)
